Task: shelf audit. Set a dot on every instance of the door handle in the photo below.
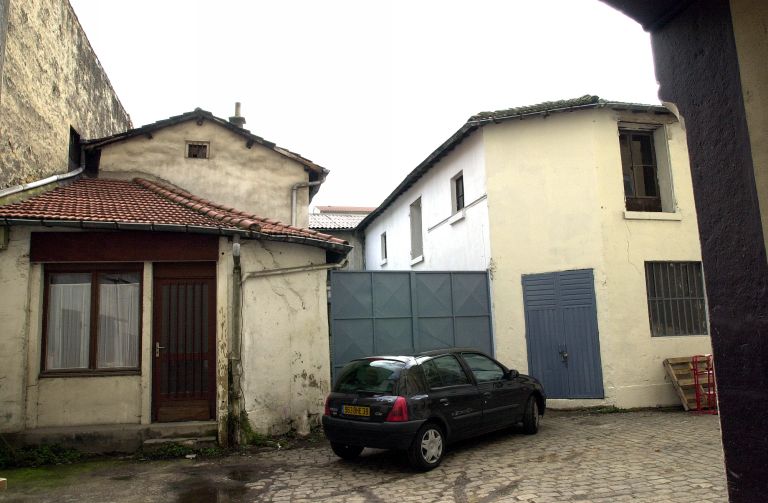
(564, 356)
(158, 347)
(487, 394)
(444, 401)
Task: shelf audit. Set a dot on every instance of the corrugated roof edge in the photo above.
(201, 115)
(483, 118)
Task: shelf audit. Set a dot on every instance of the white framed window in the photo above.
(645, 168)
(198, 150)
(383, 240)
(417, 240)
(457, 192)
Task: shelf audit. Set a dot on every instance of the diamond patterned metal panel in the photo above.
(351, 295)
(470, 294)
(434, 333)
(392, 295)
(433, 294)
(352, 339)
(474, 332)
(393, 336)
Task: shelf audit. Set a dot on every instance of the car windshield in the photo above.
(369, 376)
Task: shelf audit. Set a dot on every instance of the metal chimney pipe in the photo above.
(237, 119)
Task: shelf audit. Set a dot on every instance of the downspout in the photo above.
(235, 366)
(294, 188)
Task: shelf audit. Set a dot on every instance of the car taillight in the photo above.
(399, 411)
(327, 407)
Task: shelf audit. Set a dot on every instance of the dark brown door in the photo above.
(184, 342)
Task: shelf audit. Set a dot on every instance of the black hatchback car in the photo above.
(421, 403)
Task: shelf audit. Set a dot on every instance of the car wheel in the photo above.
(531, 416)
(345, 451)
(426, 451)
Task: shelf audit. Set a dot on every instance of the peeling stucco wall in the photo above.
(285, 352)
(257, 180)
(556, 202)
(51, 80)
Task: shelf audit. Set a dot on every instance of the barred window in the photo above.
(676, 304)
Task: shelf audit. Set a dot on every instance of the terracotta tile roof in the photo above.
(345, 209)
(142, 204)
(335, 220)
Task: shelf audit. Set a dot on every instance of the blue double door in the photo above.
(562, 333)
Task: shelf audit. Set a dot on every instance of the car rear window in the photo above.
(369, 376)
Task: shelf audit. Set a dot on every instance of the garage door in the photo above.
(382, 312)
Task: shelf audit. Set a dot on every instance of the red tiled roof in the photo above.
(140, 202)
(345, 209)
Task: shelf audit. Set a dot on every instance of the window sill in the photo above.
(652, 215)
(383, 262)
(418, 259)
(457, 217)
(90, 373)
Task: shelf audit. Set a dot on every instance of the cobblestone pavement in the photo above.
(644, 456)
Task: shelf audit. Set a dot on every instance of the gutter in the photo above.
(294, 188)
(39, 183)
(289, 270)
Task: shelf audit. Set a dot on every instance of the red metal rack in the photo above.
(705, 387)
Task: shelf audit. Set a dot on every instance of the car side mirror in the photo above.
(512, 373)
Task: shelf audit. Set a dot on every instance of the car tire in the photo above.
(345, 451)
(531, 416)
(428, 447)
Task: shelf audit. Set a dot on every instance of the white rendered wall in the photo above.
(451, 241)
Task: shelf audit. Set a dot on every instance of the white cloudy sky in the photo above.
(366, 89)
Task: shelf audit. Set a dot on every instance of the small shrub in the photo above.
(38, 455)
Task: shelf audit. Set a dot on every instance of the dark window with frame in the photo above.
(458, 191)
(444, 371)
(639, 170)
(417, 244)
(383, 246)
(197, 150)
(92, 319)
(75, 153)
(484, 369)
(676, 300)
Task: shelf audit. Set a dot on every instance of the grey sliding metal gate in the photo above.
(393, 312)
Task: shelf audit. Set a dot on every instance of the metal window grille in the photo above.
(197, 150)
(676, 299)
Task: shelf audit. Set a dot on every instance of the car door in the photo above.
(453, 395)
(502, 397)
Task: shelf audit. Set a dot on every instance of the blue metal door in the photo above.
(561, 330)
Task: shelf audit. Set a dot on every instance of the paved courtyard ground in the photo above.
(647, 456)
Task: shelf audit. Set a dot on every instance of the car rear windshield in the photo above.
(369, 376)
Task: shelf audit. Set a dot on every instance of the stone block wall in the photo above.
(51, 81)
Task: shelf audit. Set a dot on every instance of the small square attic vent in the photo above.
(197, 149)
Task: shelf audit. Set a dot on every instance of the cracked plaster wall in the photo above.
(51, 80)
(556, 202)
(285, 354)
(256, 180)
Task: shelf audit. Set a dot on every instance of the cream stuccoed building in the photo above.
(582, 213)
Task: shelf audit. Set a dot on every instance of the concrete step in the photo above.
(187, 429)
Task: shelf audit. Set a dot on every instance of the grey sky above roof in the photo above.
(365, 89)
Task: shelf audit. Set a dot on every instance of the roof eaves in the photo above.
(412, 177)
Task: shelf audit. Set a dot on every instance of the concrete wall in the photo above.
(750, 19)
(285, 354)
(556, 202)
(51, 80)
(256, 180)
(451, 241)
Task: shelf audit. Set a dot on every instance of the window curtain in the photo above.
(69, 321)
(119, 298)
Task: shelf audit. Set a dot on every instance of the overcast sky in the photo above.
(366, 89)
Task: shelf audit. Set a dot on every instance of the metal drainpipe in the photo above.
(39, 183)
(295, 187)
(235, 365)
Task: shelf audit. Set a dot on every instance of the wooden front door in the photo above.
(184, 342)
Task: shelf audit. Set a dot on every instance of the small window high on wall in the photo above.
(417, 244)
(676, 299)
(198, 149)
(457, 191)
(383, 247)
(75, 153)
(645, 168)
